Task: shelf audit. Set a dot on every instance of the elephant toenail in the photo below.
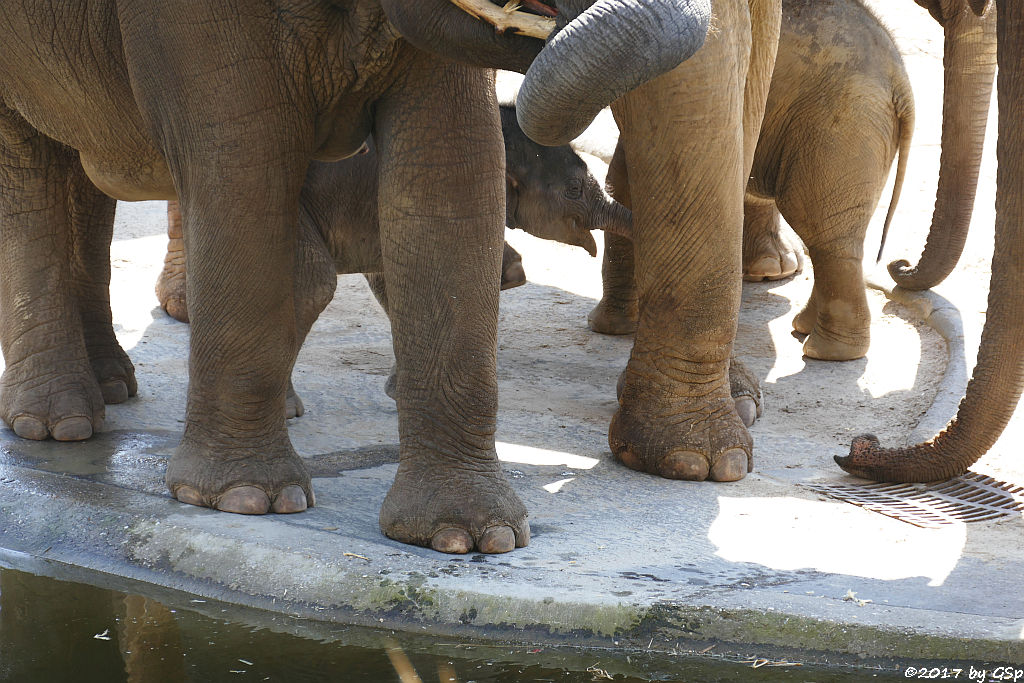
(629, 459)
(686, 465)
(72, 429)
(497, 540)
(291, 499)
(29, 428)
(523, 537)
(731, 466)
(455, 541)
(245, 500)
(187, 494)
(746, 408)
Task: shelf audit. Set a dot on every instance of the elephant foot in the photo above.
(614, 317)
(771, 255)
(689, 438)
(454, 509)
(512, 273)
(271, 479)
(743, 385)
(115, 375)
(826, 340)
(293, 406)
(67, 406)
(746, 392)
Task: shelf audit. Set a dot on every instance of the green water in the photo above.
(54, 630)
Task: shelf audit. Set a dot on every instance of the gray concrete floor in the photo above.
(618, 558)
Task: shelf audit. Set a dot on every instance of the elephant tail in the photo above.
(903, 99)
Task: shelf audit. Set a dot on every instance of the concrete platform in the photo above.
(618, 559)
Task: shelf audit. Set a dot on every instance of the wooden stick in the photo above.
(508, 20)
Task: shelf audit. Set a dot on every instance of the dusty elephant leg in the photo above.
(616, 312)
(170, 286)
(676, 415)
(92, 221)
(832, 221)
(48, 387)
(768, 253)
(442, 267)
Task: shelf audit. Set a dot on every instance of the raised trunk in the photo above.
(995, 388)
(614, 218)
(969, 64)
(609, 49)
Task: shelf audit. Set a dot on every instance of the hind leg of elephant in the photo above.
(49, 385)
(769, 253)
(92, 224)
(170, 286)
(830, 212)
(617, 312)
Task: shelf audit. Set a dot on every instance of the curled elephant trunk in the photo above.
(607, 50)
(969, 65)
(996, 384)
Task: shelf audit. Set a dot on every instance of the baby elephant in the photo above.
(839, 108)
(550, 193)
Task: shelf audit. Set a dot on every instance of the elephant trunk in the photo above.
(607, 50)
(969, 65)
(995, 387)
(616, 219)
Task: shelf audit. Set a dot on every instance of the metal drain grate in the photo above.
(971, 497)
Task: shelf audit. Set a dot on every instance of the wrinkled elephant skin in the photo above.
(225, 112)
(837, 70)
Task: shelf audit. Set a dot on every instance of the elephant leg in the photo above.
(676, 415)
(442, 211)
(768, 253)
(830, 205)
(616, 312)
(48, 387)
(316, 279)
(92, 224)
(170, 286)
(836, 319)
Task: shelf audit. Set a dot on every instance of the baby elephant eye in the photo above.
(574, 190)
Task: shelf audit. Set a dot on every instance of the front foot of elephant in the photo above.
(251, 482)
(170, 290)
(454, 509)
(67, 406)
(614, 317)
(743, 385)
(831, 336)
(695, 440)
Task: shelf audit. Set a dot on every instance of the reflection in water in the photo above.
(52, 631)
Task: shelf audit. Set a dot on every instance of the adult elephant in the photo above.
(969, 66)
(995, 387)
(224, 105)
(678, 403)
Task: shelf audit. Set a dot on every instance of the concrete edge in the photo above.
(943, 317)
(119, 537)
